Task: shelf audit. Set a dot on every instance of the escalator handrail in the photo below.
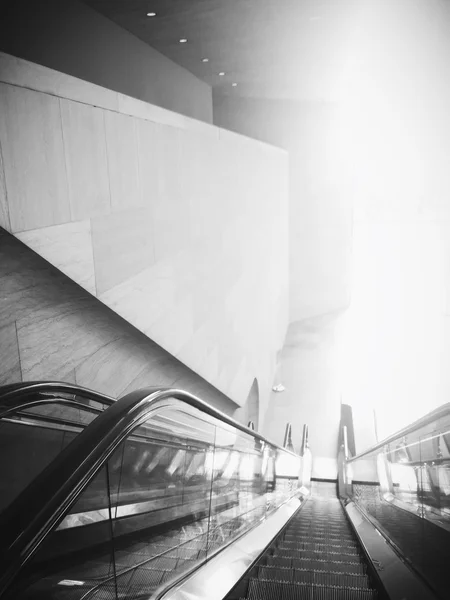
(51, 494)
(14, 394)
(438, 413)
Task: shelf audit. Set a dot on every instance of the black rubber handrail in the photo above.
(13, 394)
(438, 413)
(51, 494)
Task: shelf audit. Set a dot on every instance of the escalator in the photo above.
(158, 495)
(317, 556)
(105, 499)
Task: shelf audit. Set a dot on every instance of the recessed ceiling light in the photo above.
(222, 73)
(205, 59)
(183, 40)
(234, 84)
(151, 14)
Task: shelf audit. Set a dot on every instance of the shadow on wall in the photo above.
(51, 328)
(250, 410)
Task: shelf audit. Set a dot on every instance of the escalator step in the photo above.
(329, 535)
(344, 555)
(314, 532)
(303, 554)
(314, 525)
(315, 539)
(319, 509)
(345, 535)
(309, 564)
(315, 555)
(323, 508)
(329, 593)
(275, 590)
(278, 561)
(326, 565)
(320, 546)
(327, 578)
(275, 573)
(330, 556)
(279, 590)
(304, 576)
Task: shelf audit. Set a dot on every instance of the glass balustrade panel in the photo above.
(177, 489)
(32, 436)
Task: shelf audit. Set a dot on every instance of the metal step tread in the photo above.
(325, 556)
(345, 535)
(318, 528)
(355, 568)
(328, 578)
(352, 548)
(317, 554)
(272, 590)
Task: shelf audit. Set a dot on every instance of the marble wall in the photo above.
(51, 328)
(320, 209)
(179, 227)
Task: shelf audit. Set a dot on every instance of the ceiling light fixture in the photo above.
(278, 388)
(151, 14)
(205, 59)
(183, 40)
(222, 73)
(234, 84)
